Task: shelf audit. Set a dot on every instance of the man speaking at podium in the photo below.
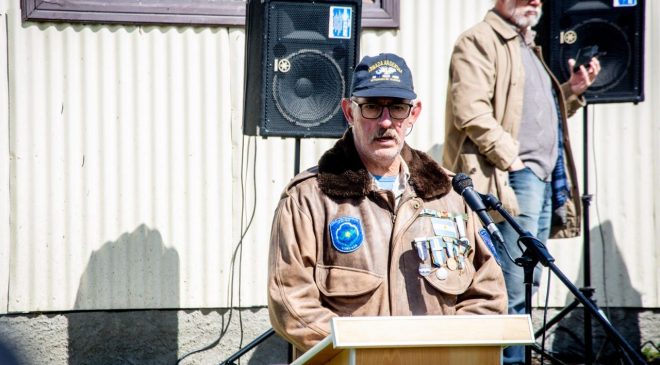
(375, 229)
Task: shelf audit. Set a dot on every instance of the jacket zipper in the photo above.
(394, 241)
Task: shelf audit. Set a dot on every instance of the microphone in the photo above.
(462, 184)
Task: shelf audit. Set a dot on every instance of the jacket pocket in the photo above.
(457, 281)
(336, 281)
(506, 194)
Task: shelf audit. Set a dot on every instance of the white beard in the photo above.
(526, 21)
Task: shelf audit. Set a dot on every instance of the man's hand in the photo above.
(583, 78)
(516, 165)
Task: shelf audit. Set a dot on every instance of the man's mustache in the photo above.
(386, 133)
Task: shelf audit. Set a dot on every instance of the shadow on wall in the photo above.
(8, 355)
(134, 272)
(274, 350)
(568, 340)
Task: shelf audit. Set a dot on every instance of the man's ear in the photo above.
(415, 112)
(347, 108)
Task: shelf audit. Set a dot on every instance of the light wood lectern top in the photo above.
(420, 340)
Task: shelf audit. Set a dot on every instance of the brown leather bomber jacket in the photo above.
(312, 279)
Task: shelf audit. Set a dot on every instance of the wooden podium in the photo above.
(420, 340)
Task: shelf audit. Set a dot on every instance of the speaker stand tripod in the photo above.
(264, 336)
(536, 252)
(586, 290)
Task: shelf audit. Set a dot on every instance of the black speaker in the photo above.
(300, 57)
(615, 26)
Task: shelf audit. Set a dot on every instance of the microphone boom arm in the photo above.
(537, 252)
(530, 242)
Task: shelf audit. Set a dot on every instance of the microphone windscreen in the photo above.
(461, 182)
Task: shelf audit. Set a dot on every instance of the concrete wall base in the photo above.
(210, 336)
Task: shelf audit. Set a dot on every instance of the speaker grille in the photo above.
(310, 92)
(618, 31)
(612, 40)
(299, 63)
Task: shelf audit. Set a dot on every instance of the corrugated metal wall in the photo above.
(122, 164)
(4, 162)
(129, 182)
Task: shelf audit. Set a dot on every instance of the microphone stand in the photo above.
(535, 252)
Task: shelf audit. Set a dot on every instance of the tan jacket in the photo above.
(483, 112)
(310, 280)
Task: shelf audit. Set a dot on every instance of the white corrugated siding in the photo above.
(121, 172)
(124, 176)
(4, 163)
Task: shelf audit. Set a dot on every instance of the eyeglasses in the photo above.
(374, 111)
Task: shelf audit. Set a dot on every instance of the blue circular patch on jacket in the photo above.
(346, 234)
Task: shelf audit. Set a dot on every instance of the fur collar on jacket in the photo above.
(341, 173)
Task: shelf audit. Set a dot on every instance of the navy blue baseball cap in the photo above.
(385, 75)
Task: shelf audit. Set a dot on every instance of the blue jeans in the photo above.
(535, 202)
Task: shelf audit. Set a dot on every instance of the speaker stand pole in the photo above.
(296, 158)
(230, 360)
(296, 170)
(587, 290)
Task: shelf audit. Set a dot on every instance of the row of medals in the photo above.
(447, 251)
